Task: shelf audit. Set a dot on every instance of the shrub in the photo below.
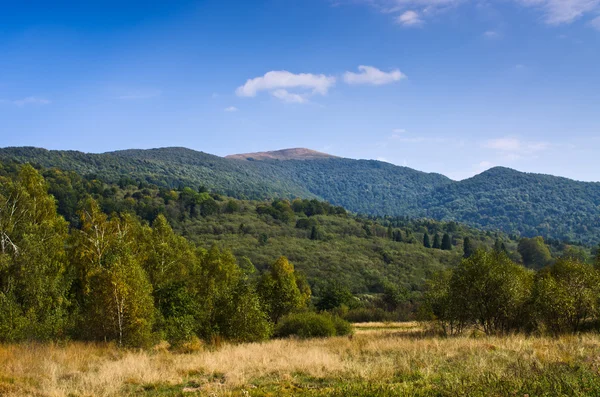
(369, 315)
(312, 325)
(342, 327)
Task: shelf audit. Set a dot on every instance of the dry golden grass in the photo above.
(395, 356)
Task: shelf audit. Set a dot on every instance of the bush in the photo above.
(312, 325)
(369, 315)
(342, 327)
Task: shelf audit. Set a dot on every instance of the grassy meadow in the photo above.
(380, 359)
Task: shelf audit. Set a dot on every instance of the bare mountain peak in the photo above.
(284, 154)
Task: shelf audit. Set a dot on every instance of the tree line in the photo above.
(489, 292)
(115, 278)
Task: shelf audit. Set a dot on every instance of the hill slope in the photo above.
(501, 198)
(284, 154)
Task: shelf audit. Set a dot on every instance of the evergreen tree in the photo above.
(390, 232)
(468, 248)
(437, 242)
(315, 233)
(426, 242)
(597, 258)
(498, 245)
(446, 242)
(398, 236)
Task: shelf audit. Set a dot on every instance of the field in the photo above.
(379, 360)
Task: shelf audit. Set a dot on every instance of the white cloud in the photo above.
(595, 23)
(31, 100)
(373, 76)
(491, 34)
(558, 12)
(555, 12)
(513, 148)
(279, 82)
(289, 97)
(399, 131)
(409, 18)
(231, 109)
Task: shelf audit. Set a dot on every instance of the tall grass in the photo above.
(393, 360)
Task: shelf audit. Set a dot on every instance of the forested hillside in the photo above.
(134, 262)
(511, 201)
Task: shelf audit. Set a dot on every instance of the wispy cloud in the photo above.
(289, 97)
(373, 76)
(231, 109)
(409, 18)
(30, 100)
(491, 34)
(279, 84)
(595, 23)
(558, 12)
(415, 12)
(514, 148)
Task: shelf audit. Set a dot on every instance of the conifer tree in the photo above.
(426, 241)
(446, 242)
(468, 248)
(437, 243)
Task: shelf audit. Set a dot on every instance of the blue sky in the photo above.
(449, 86)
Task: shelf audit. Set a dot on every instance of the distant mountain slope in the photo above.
(284, 154)
(501, 198)
(170, 167)
(533, 204)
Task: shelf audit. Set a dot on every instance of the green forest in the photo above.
(131, 262)
(527, 205)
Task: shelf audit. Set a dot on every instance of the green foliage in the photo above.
(312, 325)
(142, 262)
(116, 295)
(240, 317)
(335, 295)
(566, 295)
(486, 290)
(446, 242)
(426, 241)
(468, 248)
(534, 252)
(500, 198)
(437, 242)
(279, 290)
(33, 265)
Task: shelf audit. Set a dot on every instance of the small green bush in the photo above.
(342, 327)
(312, 325)
(369, 315)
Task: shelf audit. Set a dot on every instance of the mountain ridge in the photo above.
(283, 154)
(500, 198)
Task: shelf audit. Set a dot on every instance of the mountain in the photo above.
(284, 154)
(500, 198)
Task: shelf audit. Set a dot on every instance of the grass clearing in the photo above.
(379, 360)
